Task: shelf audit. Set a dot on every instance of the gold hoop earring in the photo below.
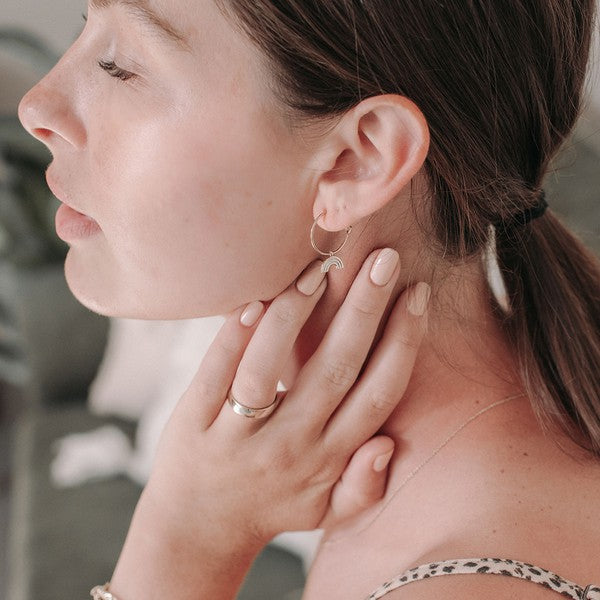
(332, 260)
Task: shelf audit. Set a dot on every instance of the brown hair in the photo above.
(500, 84)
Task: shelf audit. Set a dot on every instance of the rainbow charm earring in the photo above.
(332, 260)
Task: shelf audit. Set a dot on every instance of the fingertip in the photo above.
(381, 463)
(409, 320)
(311, 279)
(251, 314)
(382, 449)
(384, 267)
(417, 299)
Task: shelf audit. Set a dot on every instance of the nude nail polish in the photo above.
(384, 266)
(252, 313)
(418, 299)
(381, 462)
(308, 283)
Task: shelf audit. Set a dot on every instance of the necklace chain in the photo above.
(450, 438)
(438, 449)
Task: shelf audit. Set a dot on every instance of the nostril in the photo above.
(41, 133)
(47, 114)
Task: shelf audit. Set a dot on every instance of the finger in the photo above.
(335, 365)
(208, 389)
(363, 483)
(386, 376)
(263, 362)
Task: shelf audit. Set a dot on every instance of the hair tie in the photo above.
(526, 216)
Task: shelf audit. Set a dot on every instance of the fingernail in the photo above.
(251, 314)
(418, 299)
(384, 266)
(381, 462)
(308, 283)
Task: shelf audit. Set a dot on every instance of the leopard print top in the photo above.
(491, 566)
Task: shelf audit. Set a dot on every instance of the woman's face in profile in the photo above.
(164, 131)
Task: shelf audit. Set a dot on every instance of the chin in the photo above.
(110, 287)
(102, 294)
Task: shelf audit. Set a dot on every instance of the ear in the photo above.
(374, 151)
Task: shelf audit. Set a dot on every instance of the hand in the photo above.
(256, 478)
(223, 485)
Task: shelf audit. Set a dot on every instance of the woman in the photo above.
(200, 147)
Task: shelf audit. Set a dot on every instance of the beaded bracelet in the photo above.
(100, 592)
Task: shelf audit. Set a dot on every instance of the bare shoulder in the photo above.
(506, 490)
(472, 587)
(471, 578)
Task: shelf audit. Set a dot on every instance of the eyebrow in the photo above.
(142, 10)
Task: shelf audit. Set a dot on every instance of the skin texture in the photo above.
(204, 195)
(173, 164)
(176, 162)
(197, 528)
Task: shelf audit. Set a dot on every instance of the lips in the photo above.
(71, 225)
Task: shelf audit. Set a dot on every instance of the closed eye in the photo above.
(115, 71)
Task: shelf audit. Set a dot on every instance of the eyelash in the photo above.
(115, 71)
(110, 67)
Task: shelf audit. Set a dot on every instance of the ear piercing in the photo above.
(332, 260)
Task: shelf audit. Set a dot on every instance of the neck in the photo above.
(464, 361)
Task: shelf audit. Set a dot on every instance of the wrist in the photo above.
(197, 521)
(164, 558)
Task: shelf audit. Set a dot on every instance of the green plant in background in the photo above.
(32, 287)
(27, 207)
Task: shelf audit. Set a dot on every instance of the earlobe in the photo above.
(374, 152)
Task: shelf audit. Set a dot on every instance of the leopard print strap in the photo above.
(491, 566)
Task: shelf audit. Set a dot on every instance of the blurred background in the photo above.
(66, 499)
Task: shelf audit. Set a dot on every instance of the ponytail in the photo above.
(500, 85)
(553, 284)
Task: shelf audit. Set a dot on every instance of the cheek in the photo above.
(174, 191)
(190, 205)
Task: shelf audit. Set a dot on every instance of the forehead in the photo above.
(209, 44)
(151, 16)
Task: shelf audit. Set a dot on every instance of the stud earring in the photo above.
(332, 260)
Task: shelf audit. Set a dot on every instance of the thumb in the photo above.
(362, 483)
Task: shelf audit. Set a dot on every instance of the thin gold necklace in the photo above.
(425, 462)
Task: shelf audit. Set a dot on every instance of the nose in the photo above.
(48, 112)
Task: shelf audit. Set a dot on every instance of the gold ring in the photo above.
(252, 413)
